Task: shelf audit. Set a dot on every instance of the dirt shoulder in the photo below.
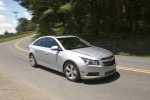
(11, 89)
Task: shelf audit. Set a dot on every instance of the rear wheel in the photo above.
(33, 60)
(71, 71)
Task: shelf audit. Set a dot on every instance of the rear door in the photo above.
(39, 48)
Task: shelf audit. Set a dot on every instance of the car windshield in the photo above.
(70, 43)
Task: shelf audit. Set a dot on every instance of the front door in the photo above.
(51, 56)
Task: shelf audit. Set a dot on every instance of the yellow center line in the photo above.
(18, 47)
(118, 67)
(134, 69)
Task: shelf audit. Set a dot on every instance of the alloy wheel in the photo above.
(71, 71)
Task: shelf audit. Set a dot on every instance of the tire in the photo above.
(71, 72)
(33, 61)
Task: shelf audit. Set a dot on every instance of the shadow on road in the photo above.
(105, 80)
(52, 71)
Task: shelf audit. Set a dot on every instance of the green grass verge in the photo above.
(17, 36)
(133, 55)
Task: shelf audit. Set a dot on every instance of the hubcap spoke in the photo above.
(71, 71)
(68, 74)
(72, 76)
(74, 72)
(71, 67)
(32, 60)
(67, 68)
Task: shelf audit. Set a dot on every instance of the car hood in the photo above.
(93, 51)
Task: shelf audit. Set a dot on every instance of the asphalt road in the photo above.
(130, 82)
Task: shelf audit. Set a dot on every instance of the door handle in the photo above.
(46, 53)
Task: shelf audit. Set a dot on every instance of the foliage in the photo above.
(112, 17)
(6, 33)
(25, 25)
(123, 20)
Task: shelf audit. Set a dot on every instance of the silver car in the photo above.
(73, 56)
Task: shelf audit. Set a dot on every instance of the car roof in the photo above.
(61, 36)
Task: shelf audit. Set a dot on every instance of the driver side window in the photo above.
(51, 42)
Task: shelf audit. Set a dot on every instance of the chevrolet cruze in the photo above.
(73, 56)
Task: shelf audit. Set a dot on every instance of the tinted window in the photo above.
(51, 42)
(73, 43)
(41, 42)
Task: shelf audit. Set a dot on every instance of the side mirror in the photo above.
(54, 48)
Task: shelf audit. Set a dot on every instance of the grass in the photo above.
(125, 54)
(17, 36)
(128, 54)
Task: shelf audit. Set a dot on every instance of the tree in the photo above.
(6, 33)
(25, 25)
(90, 17)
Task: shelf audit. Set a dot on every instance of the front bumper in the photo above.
(95, 72)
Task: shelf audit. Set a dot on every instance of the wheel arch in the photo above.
(72, 62)
(31, 53)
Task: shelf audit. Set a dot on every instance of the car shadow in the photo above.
(105, 80)
(52, 71)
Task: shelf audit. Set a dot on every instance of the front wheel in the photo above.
(71, 71)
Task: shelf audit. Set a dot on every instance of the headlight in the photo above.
(89, 61)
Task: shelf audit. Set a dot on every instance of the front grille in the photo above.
(109, 63)
(110, 72)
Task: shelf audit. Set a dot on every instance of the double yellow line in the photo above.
(118, 67)
(134, 69)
